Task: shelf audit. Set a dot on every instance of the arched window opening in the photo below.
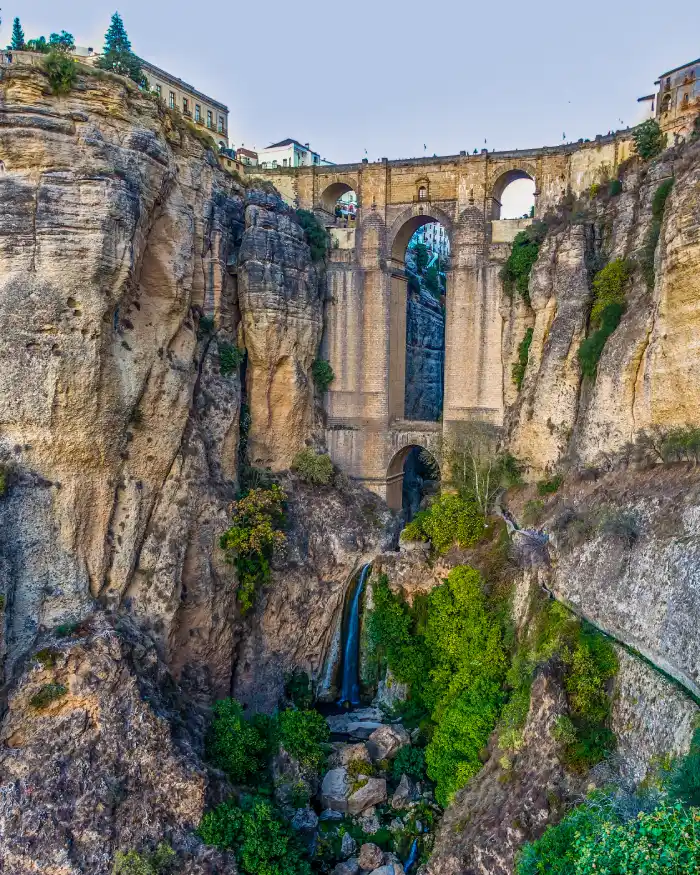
(422, 193)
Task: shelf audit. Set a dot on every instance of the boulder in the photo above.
(404, 794)
(348, 846)
(389, 869)
(335, 789)
(305, 820)
(369, 822)
(349, 867)
(371, 856)
(344, 754)
(329, 814)
(372, 793)
(386, 741)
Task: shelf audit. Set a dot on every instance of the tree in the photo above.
(474, 468)
(38, 45)
(649, 139)
(18, 43)
(422, 256)
(117, 55)
(61, 42)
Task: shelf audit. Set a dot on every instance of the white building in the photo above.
(435, 239)
(289, 153)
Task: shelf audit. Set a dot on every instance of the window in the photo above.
(315, 159)
(274, 163)
(284, 162)
(185, 106)
(197, 112)
(172, 100)
(422, 193)
(221, 124)
(209, 118)
(159, 90)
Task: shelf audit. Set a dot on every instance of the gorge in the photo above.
(188, 512)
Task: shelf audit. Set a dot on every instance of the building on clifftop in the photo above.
(676, 103)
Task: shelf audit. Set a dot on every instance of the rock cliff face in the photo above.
(425, 356)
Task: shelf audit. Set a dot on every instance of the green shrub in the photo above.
(550, 485)
(62, 72)
(65, 630)
(159, 862)
(312, 467)
(298, 689)
(685, 778)
(681, 444)
(3, 480)
(695, 133)
(649, 140)
(322, 374)
(609, 287)
(230, 358)
(302, 733)
(658, 203)
(47, 657)
(449, 520)
(518, 371)
(564, 730)
(591, 348)
(515, 274)
(234, 744)
(663, 841)
(262, 842)
(206, 324)
(47, 694)
(252, 538)
(316, 235)
(409, 761)
(532, 511)
(614, 188)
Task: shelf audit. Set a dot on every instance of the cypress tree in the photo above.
(117, 55)
(18, 43)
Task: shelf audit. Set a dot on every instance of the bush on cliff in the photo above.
(252, 538)
(649, 140)
(312, 467)
(648, 252)
(519, 368)
(515, 274)
(235, 744)
(449, 520)
(261, 840)
(230, 357)
(159, 862)
(302, 733)
(609, 286)
(316, 234)
(322, 374)
(62, 72)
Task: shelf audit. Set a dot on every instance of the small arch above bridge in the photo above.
(329, 197)
(427, 441)
(502, 183)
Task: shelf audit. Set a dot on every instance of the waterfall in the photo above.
(350, 688)
(412, 857)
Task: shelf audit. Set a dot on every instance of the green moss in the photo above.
(66, 630)
(3, 480)
(47, 657)
(47, 694)
(591, 348)
(159, 862)
(614, 188)
(609, 287)
(518, 371)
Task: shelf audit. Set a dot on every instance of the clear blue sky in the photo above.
(393, 76)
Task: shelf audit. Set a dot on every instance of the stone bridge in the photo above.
(365, 334)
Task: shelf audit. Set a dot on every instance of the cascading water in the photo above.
(350, 687)
(412, 857)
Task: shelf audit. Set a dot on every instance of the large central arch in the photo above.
(396, 470)
(400, 233)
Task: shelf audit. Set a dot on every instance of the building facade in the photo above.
(290, 153)
(676, 103)
(434, 237)
(194, 105)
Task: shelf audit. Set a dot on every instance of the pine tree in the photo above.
(117, 55)
(18, 43)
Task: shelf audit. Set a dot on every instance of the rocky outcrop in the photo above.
(119, 431)
(281, 301)
(296, 623)
(95, 757)
(425, 356)
(645, 376)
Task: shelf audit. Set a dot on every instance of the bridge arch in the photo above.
(329, 196)
(396, 469)
(410, 220)
(501, 183)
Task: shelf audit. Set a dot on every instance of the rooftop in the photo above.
(288, 142)
(676, 69)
